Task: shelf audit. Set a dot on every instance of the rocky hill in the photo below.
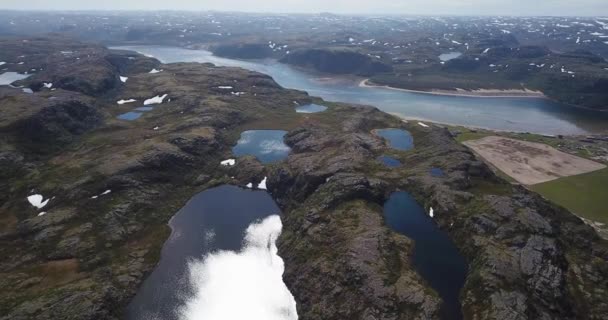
(112, 185)
(336, 61)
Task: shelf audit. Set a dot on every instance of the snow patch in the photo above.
(124, 79)
(431, 212)
(36, 200)
(262, 184)
(422, 124)
(155, 100)
(125, 101)
(48, 85)
(228, 162)
(155, 71)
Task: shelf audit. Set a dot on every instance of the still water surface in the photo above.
(213, 220)
(435, 257)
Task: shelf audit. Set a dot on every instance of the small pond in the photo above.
(144, 109)
(397, 138)
(225, 235)
(389, 161)
(311, 108)
(266, 145)
(437, 172)
(10, 77)
(130, 116)
(435, 256)
(449, 56)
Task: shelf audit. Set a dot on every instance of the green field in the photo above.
(585, 194)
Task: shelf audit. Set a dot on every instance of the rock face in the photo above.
(336, 61)
(528, 259)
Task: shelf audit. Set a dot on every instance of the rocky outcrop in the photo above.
(336, 61)
(114, 185)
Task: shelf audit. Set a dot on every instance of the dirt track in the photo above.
(529, 162)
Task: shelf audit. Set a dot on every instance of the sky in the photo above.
(427, 7)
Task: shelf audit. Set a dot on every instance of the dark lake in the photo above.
(435, 257)
(534, 115)
(216, 219)
(266, 145)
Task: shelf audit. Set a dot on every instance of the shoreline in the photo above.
(481, 93)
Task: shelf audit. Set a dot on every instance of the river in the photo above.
(536, 115)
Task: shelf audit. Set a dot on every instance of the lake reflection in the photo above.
(213, 220)
(266, 145)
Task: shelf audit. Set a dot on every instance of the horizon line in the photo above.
(300, 13)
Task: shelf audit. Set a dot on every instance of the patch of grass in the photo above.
(583, 194)
(472, 135)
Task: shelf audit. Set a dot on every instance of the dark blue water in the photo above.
(509, 114)
(437, 172)
(435, 257)
(397, 138)
(266, 145)
(389, 161)
(311, 108)
(130, 116)
(215, 219)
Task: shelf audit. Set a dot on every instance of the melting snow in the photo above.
(125, 101)
(249, 185)
(155, 71)
(42, 213)
(36, 201)
(48, 85)
(228, 162)
(262, 184)
(155, 100)
(423, 124)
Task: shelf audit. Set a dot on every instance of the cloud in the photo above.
(433, 7)
(242, 285)
(273, 146)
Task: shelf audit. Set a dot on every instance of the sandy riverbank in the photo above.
(480, 93)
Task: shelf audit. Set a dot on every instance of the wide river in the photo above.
(534, 115)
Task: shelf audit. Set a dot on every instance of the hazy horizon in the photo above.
(358, 7)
